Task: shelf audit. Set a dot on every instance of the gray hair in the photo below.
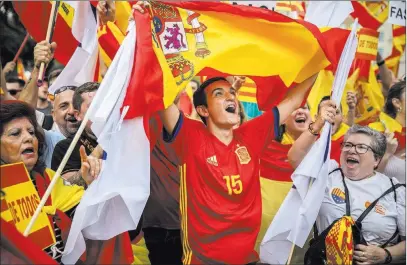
(378, 139)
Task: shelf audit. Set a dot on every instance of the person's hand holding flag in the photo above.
(44, 53)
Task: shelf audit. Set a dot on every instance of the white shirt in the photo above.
(381, 223)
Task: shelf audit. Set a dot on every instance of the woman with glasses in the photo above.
(383, 231)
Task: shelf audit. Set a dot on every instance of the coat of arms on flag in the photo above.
(171, 37)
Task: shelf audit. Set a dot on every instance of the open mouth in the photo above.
(352, 161)
(300, 120)
(71, 119)
(231, 108)
(28, 151)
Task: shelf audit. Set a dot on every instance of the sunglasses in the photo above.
(14, 92)
(64, 88)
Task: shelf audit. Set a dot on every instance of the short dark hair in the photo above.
(14, 109)
(15, 79)
(394, 92)
(200, 95)
(54, 74)
(77, 99)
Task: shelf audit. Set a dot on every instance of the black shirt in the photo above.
(74, 162)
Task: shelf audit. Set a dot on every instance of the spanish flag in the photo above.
(35, 15)
(179, 40)
(371, 14)
(17, 249)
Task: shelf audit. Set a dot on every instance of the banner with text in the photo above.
(20, 202)
(397, 13)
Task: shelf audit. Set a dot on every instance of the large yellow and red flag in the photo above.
(35, 15)
(399, 45)
(179, 40)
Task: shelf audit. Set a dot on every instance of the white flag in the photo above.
(114, 202)
(328, 13)
(309, 181)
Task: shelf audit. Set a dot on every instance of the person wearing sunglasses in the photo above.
(353, 186)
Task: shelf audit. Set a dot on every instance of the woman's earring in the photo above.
(399, 109)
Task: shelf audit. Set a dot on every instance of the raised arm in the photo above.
(294, 98)
(304, 143)
(43, 53)
(351, 101)
(385, 75)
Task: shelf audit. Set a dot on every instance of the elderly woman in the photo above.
(383, 228)
(22, 141)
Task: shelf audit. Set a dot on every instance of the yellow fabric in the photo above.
(63, 197)
(237, 53)
(386, 122)
(287, 139)
(67, 12)
(140, 253)
(339, 242)
(123, 12)
(370, 98)
(273, 194)
(343, 128)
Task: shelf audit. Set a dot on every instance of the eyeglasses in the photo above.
(14, 92)
(360, 148)
(64, 88)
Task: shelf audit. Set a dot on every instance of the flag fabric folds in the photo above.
(179, 40)
(371, 14)
(35, 15)
(122, 187)
(293, 227)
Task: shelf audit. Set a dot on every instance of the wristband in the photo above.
(380, 63)
(389, 258)
(312, 130)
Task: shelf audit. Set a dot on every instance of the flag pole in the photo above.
(59, 170)
(21, 47)
(50, 31)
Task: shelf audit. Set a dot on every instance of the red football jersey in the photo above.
(220, 198)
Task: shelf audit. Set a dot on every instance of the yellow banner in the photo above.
(20, 202)
(367, 45)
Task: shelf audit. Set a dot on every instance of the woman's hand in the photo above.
(327, 112)
(91, 166)
(392, 143)
(369, 254)
(106, 11)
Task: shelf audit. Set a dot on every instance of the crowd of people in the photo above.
(206, 163)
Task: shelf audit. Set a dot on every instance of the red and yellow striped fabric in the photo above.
(339, 242)
(35, 15)
(399, 45)
(371, 14)
(176, 41)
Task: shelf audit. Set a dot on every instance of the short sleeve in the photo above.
(51, 140)
(186, 135)
(74, 162)
(259, 131)
(401, 210)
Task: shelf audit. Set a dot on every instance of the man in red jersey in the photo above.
(220, 198)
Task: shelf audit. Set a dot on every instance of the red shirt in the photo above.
(220, 197)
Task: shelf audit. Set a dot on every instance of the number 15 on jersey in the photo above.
(233, 184)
